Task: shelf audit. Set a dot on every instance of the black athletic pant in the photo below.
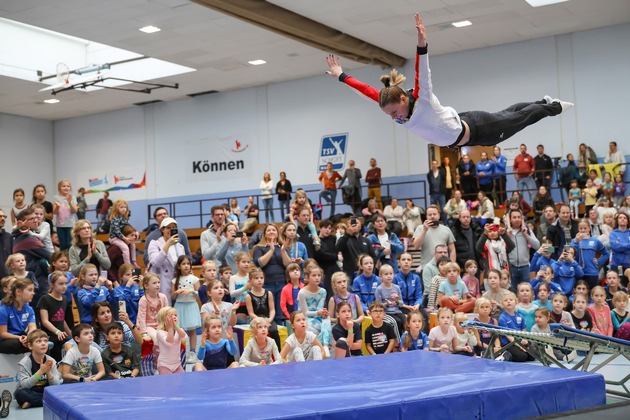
(489, 129)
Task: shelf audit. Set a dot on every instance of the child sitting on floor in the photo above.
(495, 293)
(453, 293)
(511, 320)
(483, 307)
(380, 337)
(36, 371)
(466, 340)
(413, 338)
(470, 279)
(214, 349)
(120, 361)
(260, 350)
(78, 363)
(581, 318)
(443, 337)
(346, 333)
(168, 337)
(340, 287)
(302, 345)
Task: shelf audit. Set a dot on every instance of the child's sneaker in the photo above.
(500, 358)
(191, 358)
(6, 402)
(326, 352)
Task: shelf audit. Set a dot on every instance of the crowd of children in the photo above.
(127, 327)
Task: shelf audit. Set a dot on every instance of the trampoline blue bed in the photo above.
(397, 386)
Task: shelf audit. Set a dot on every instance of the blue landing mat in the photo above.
(395, 386)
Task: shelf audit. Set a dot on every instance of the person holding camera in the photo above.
(556, 232)
(163, 255)
(234, 243)
(352, 245)
(523, 239)
(432, 233)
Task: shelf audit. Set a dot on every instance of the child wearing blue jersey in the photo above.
(93, 288)
(17, 318)
(592, 254)
(129, 289)
(525, 307)
(413, 338)
(213, 351)
(567, 271)
(542, 257)
(365, 284)
(512, 320)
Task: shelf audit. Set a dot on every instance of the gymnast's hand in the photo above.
(334, 66)
(422, 32)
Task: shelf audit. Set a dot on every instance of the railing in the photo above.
(191, 213)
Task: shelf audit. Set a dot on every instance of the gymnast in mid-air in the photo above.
(421, 112)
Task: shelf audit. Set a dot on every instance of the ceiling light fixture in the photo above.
(257, 62)
(51, 101)
(150, 29)
(462, 23)
(538, 3)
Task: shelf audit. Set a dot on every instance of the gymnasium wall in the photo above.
(282, 124)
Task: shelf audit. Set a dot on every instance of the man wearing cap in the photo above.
(163, 255)
(160, 214)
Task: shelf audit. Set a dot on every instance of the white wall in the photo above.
(27, 158)
(286, 121)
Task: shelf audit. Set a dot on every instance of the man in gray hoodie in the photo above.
(524, 239)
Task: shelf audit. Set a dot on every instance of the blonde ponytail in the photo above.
(392, 92)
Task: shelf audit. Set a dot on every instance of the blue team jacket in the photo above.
(586, 250)
(365, 287)
(410, 288)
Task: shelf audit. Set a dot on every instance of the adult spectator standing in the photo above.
(83, 207)
(544, 167)
(385, 244)
(548, 219)
(412, 216)
(449, 174)
(352, 191)
(569, 173)
(524, 168)
(485, 173)
(616, 156)
(6, 244)
(163, 255)
(620, 245)
(327, 255)
(467, 177)
(266, 193)
(486, 207)
(251, 213)
(436, 178)
(102, 209)
(524, 240)
(374, 181)
(159, 214)
(430, 270)
(593, 220)
(328, 179)
(303, 234)
(272, 258)
(432, 233)
(586, 155)
(562, 230)
(394, 215)
(86, 249)
(351, 245)
(211, 238)
(455, 205)
(466, 232)
(500, 169)
(232, 246)
(284, 190)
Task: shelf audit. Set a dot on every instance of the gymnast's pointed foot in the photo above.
(547, 99)
(564, 104)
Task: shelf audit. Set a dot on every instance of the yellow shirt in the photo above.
(590, 196)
